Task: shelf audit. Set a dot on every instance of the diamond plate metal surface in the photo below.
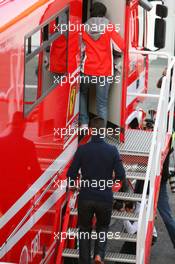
(128, 196)
(124, 215)
(135, 175)
(116, 215)
(122, 258)
(136, 142)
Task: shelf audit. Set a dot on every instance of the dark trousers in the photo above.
(86, 211)
(165, 211)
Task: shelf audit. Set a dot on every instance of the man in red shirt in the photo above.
(100, 37)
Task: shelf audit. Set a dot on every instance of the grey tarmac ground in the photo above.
(163, 251)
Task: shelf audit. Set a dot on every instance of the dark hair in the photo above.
(130, 205)
(98, 10)
(134, 124)
(97, 123)
(118, 205)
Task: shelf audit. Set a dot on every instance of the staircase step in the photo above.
(121, 236)
(135, 197)
(124, 215)
(135, 175)
(113, 257)
(137, 142)
(117, 215)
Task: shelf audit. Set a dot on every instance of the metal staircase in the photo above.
(132, 173)
(142, 155)
(135, 155)
(112, 257)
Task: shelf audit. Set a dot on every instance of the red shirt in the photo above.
(98, 60)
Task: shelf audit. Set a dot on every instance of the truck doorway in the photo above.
(87, 4)
(115, 93)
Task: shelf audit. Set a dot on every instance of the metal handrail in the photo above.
(145, 95)
(162, 124)
(156, 53)
(32, 208)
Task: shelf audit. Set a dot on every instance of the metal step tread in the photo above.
(136, 141)
(117, 215)
(128, 196)
(124, 215)
(122, 258)
(121, 236)
(136, 175)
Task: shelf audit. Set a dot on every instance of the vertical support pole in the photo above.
(172, 96)
(147, 73)
(125, 71)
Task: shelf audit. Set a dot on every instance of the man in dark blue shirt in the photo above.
(97, 161)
